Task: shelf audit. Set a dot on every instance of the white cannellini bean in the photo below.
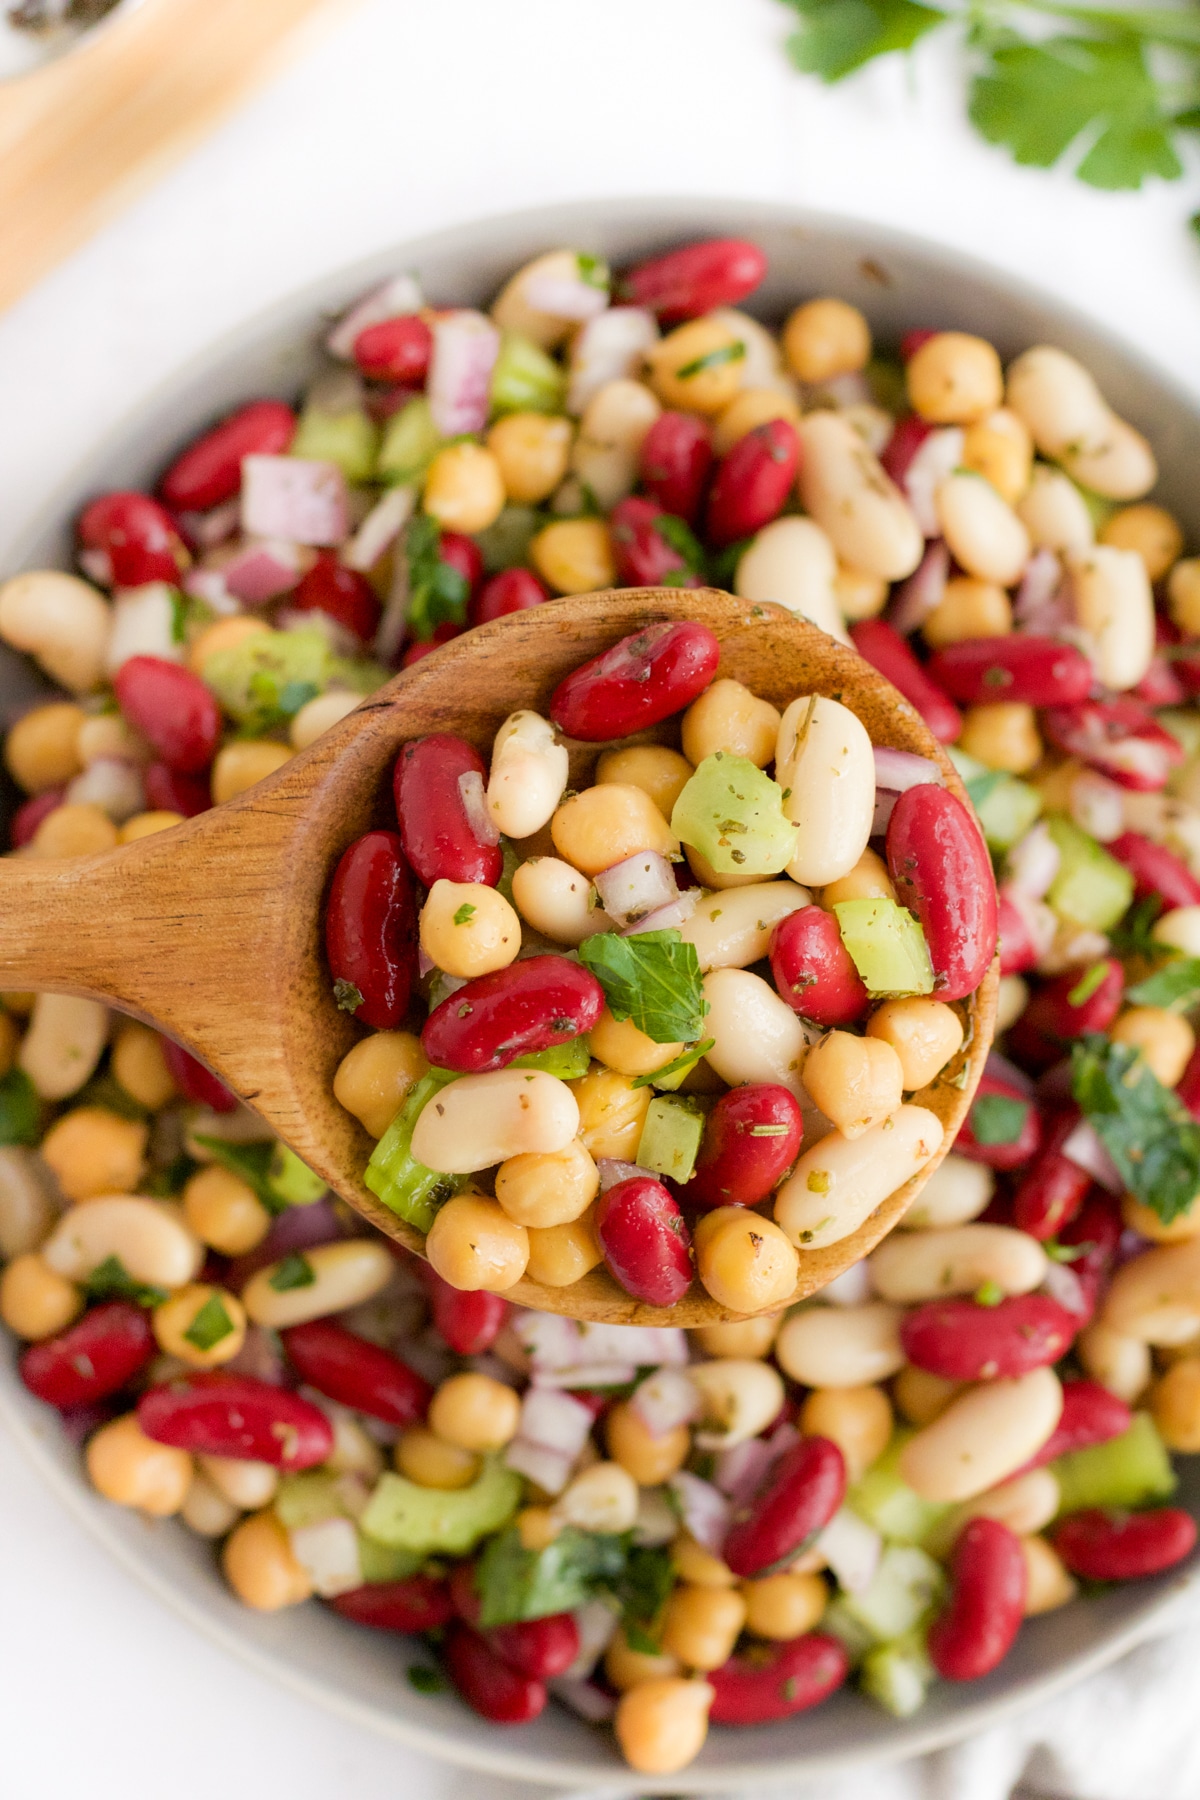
(1114, 605)
(614, 422)
(791, 562)
(148, 1237)
(854, 501)
(243, 1481)
(1055, 513)
(484, 1119)
(826, 765)
(29, 1201)
(602, 1498)
(319, 715)
(143, 624)
(840, 1181)
(343, 1275)
(558, 901)
(756, 1035)
(1026, 1504)
(983, 1437)
(1072, 423)
(956, 1192)
(931, 1265)
(63, 622)
(985, 536)
(63, 1044)
(732, 929)
(1121, 1364)
(608, 347)
(741, 1397)
(841, 1346)
(115, 786)
(1180, 928)
(528, 774)
(206, 1511)
(1156, 1297)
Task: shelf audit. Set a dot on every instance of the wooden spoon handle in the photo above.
(59, 928)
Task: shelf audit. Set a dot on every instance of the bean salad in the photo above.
(716, 986)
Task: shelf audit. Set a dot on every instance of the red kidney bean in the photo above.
(1160, 685)
(513, 590)
(1052, 1018)
(395, 349)
(646, 1244)
(752, 482)
(638, 682)
(912, 341)
(539, 1648)
(1037, 670)
(489, 1686)
(215, 1414)
(942, 872)
(29, 815)
(644, 556)
(1123, 1546)
(674, 463)
(210, 469)
(436, 832)
(463, 554)
(883, 647)
(1119, 737)
(340, 593)
(1011, 1153)
(442, 634)
(137, 536)
(1188, 1088)
(1094, 1232)
(799, 1495)
(418, 1603)
(908, 434)
(1018, 947)
(96, 1356)
(751, 1139)
(347, 1368)
(813, 970)
(1090, 1415)
(174, 711)
(976, 1630)
(371, 928)
(1155, 870)
(194, 1081)
(464, 1595)
(685, 283)
(787, 1679)
(169, 791)
(469, 1323)
(963, 1341)
(517, 1011)
(1053, 1189)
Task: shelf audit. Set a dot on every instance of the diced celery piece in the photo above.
(671, 1136)
(395, 1175)
(292, 1181)
(733, 815)
(568, 1061)
(906, 1584)
(897, 1676)
(350, 439)
(381, 1563)
(1100, 509)
(886, 945)
(1007, 811)
(307, 1498)
(441, 1520)
(968, 766)
(1127, 1471)
(265, 679)
(525, 379)
(507, 541)
(411, 440)
(1092, 888)
(886, 1501)
(849, 1631)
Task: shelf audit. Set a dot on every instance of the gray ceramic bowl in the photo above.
(900, 283)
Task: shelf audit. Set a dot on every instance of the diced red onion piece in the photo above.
(295, 498)
(554, 1421)
(550, 1469)
(465, 348)
(916, 597)
(112, 785)
(704, 1508)
(596, 1624)
(1086, 1150)
(259, 570)
(900, 770)
(939, 456)
(260, 1357)
(565, 297)
(1033, 862)
(397, 297)
(611, 1171)
(549, 1341)
(589, 1375)
(740, 1469)
(209, 585)
(1098, 805)
(610, 347)
(380, 529)
(646, 1346)
(1063, 1284)
(669, 917)
(208, 529)
(665, 1400)
(1040, 605)
(473, 795)
(852, 1548)
(637, 887)
(96, 564)
(585, 1698)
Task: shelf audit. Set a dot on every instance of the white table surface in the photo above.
(401, 118)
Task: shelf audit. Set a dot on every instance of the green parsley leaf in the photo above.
(466, 911)
(1067, 1253)
(712, 359)
(1089, 983)
(1132, 936)
(652, 978)
(426, 1679)
(997, 1119)
(437, 592)
(210, 1325)
(1177, 986)
(836, 37)
(294, 1271)
(988, 1293)
(348, 997)
(112, 1281)
(1145, 1127)
(679, 1065)
(514, 1583)
(593, 269)
(20, 1109)
(164, 1184)
(643, 1588)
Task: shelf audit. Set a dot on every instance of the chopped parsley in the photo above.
(20, 1109)
(652, 978)
(437, 591)
(1089, 983)
(251, 1163)
(988, 1293)
(1146, 1129)
(348, 997)
(997, 1119)
(112, 1281)
(210, 1325)
(1175, 986)
(465, 912)
(426, 1679)
(293, 1271)
(712, 359)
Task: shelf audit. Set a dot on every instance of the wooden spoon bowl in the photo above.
(213, 930)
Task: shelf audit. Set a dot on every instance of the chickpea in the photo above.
(857, 1419)
(205, 1509)
(1183, 595)
(1048, 1582)
(785, 1606)
(745, 1261)
(701, 1625)
(1151, 530)
(856, 1082)
(1001, 450)
(611, 1113)
(955, 379)
(473, 1244)
(925, 1034)
(602, 1497)
(35, 1301)
(1145, 1221)
(41, 750)
(1165, 1039)
(260, 1567)
(203, 1326)
(603, 825)
(728, 717)
(826, 338)
(922, 1397)
(614, 425)
(532, 452)
(147, 824)
(708, 877)
(468, 929)
(1175, 1405)
(107, 735)
(224, 1211)
(374, 1078)
(549, 1187)
(659, 772)
(74, 830)
(574, 556)
(650, 1460)
(867, 880)
(696, 1564)
(661, 1724)
(698, 366)
(859, 595)
(475, 1412)
(319, 715)
(464, 488)
(1003, 734)
(224, 634)
(627, 1668)
(742, 1337)
(752, 407)
(622, 1046)
(131, 1469)
(95, 1151)
(243, 764)
(562, 1254)
(969, 608)
(423, 1457)
(245, 1482)
(538, 1527)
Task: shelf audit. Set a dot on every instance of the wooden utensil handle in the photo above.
(58, 929)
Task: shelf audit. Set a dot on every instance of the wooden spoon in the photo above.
(213, 930)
